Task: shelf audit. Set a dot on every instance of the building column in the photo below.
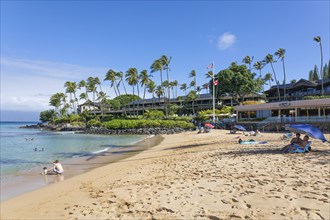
(319, 111)
(295, 114)
(236, 116)
(249, 114)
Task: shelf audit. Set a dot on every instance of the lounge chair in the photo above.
(305, 150)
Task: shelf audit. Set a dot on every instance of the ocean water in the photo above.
(25, 149)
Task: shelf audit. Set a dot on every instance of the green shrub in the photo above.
(77, 124)
(316, 97)
(144, 123)
(94, 123)
(153, 114)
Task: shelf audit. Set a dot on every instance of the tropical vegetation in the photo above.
(236, 81)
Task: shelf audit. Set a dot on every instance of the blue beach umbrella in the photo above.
(240, 127)
(307, 129)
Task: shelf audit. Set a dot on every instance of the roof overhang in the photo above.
(285, 105)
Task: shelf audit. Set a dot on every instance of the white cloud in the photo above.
(226, 40)
(26, 85)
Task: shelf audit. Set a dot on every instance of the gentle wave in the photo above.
(90, 153)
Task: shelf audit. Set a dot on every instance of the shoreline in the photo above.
(192, 176)
(24, 182)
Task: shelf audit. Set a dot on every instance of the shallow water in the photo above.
(22, 150)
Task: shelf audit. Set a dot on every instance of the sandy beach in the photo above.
(192, 176)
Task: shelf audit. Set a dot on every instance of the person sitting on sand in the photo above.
(296, 140)
(57, 168)
(301, 146)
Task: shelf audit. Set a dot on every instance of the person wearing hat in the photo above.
(57, 167)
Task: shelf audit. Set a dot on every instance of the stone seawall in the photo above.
(105, 131)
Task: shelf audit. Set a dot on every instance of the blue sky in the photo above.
(45, 44)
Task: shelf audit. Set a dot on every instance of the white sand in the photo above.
(189, 175)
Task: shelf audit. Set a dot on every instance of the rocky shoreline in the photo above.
(105, 131)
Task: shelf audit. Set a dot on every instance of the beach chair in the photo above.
(305, 150)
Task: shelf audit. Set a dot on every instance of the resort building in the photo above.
(298, 90)
(202, 102)
(314, 110)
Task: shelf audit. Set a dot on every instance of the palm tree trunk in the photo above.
(124, 87)
(144, 96)
(193, 107)
(321, 72)
(278, 87)
(284, 79)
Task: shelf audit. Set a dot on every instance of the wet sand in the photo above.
(192, 176)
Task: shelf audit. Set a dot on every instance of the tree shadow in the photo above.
(188, 146)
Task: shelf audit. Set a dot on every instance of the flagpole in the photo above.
(213, 111)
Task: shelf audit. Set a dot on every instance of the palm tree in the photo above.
(269, 78)
(172, 88)
(166, 85)
(120, 77)
(192, 97)
(144, 80)
(175, 84)
(91, 86)
(193, 85)
(269, 59)
(57, 100)
(157, 65)
(192, 74)
(198, 91)
(71, 88)
(132, 79)
(165, 63)
(151, 89)
(318, 40)
(97, 82)
(64, 110)
(258, 66)
(83, 84)
(248, 60)
(280, 53)
(102, 98)
(184, 88)
(111, 76)
(159, 92)
(206, 86)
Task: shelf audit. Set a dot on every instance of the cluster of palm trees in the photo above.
(269, 59)
(91, 89)
(143, 80)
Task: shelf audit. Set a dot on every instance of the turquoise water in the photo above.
(25, 149)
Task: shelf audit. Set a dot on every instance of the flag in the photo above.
(210, 66)
(216, 82)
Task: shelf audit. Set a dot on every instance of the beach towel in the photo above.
(254, 142)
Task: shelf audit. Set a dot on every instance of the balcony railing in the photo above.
(299, 119)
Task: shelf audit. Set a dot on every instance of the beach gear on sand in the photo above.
(307, 129)
(254, 142)
(240, 127)
(209, 125)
